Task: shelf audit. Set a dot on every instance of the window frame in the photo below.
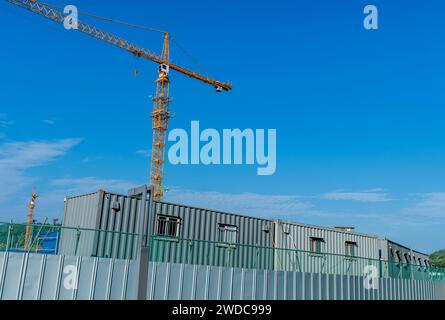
(407, 257)
(353, 245)
(399, 257)
(225, 231)
(314, 242)
(168, 222)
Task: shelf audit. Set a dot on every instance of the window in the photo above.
(168, 226)
(407, 258)
(420, 262)
(350, 248)
(316, 244)
(399, 257)
(227, 233)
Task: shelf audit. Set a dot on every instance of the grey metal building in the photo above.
(168, 229)
(403, 262)
(308, 247)
(104, 225)
(184, 234)
(392, 251)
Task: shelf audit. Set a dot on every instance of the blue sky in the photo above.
(359, 114)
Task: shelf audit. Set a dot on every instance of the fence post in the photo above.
(10, 228)
(78, 233)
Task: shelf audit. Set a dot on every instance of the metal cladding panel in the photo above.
(202, 224)
(297, 237)
(80, 212)
(293, 251)
(383, 248)
(403, 250)
(114, 215)
(119, 215)
(179, 281)
(49, 277)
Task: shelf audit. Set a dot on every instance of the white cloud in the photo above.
(25, 155)
(244, 203)
(17, 157)
(374, 195)
(50, 122)
(4, 121)
(429, 204)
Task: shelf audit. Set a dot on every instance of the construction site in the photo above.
(138, 246)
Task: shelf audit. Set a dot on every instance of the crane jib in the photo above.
(57, 16)
(161, 112)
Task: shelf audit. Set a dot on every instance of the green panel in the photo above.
(187, 251)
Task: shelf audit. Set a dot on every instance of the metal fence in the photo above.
(168, 281)
(50, 239)
(207, 253)
(31, 276)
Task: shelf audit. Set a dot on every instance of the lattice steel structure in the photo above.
(161, 112)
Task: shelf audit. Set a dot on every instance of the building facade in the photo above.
(177, 233)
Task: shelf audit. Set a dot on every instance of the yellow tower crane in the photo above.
(161, 113)
(30, 221)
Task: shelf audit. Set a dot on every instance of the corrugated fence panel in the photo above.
(42, 277)
(189, 282)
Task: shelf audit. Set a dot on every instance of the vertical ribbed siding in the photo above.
(397, 247)
(96, 211)
(297, 237)
(42, 277)
(80, 212)
(189, 282)
(300, 234)
(115, 229)
(123, 222)
(202, 224)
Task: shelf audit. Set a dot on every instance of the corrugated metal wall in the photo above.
(190, 282)
(47, 277)
(81, 211)
(116, 214)
(41, 277)
(297, 236)
(119, 213)
(202, 224)
(397, 268)
(387, 245)
(211, 253)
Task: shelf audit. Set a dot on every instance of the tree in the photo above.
(438, 258)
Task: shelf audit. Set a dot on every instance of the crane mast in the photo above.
(30, 221)
(161, 113)
(161, 116)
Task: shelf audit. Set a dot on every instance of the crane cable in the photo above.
(109, 19)
(175, 42)
(189, 55)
